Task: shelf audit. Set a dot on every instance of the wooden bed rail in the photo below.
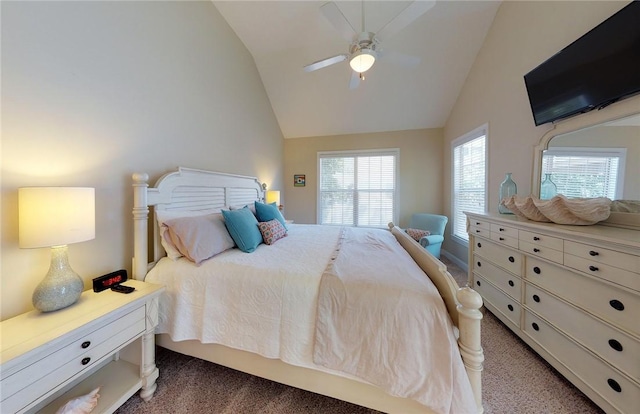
(463, 304)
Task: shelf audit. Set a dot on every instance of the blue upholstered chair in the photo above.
(436, 225)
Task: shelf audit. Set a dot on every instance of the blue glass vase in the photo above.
(548, 189)
(508, 188)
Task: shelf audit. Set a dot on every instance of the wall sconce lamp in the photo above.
(55, 217)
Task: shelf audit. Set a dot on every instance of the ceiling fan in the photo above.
(364, 47)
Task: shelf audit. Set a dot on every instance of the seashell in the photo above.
(524, 207)
(81, 405)
(575, 211)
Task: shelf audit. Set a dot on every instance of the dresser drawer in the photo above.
(504, 304)
(508, 259)
(615, 305)
(617, 348)
(480, 224)
(604, 271)
(541, 240)
(504, 239)
(599, 255)
(504, 230)
(507, 282)
(38, 378)
(542, 251)
(616, 388)
(482, 232)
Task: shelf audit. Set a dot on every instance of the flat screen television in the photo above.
(598, 69)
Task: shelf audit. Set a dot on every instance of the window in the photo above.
(357, 188)
(469, 177)
(586, 172)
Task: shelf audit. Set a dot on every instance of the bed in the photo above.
(284, 324)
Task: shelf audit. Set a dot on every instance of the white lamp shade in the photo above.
(363, 60)
(273, 196)
(55, 216)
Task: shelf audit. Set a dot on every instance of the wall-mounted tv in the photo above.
(600, 68)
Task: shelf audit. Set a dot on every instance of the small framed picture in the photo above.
(299, 180)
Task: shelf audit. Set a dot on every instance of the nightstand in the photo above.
(104, 340)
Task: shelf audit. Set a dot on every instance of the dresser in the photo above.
(572, 293)
(104, 340)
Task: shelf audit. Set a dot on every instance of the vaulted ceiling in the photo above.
(284, 36)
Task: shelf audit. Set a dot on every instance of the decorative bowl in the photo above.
(560, 209)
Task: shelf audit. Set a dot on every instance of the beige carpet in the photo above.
(515, 380)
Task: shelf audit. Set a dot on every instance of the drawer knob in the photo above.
(85, 344)
(85, 361)
(593, 253)
(501, 229)
(477, 223)
(616, 304)
(536, 298)
(479, 244)
(536, 270)
(614, 385)
(535, 326)
(510, 307)
(477, 231)
(501, 238)
(615, 345)
(511, 283)
(511, 259)
(479, 264)
(478, 283)
(536, 238)
(593, 268)
(536, 250)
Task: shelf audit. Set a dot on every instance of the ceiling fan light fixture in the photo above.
(363, 60)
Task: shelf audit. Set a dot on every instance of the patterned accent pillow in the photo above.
(417, 234)
(272, 231)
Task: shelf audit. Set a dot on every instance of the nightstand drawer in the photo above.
(620, 391)
(38, 378)
(501, 302)
(506, 258)
(504, 280)
(617, 348)
(616, 305)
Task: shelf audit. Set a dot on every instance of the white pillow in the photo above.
(163, 215)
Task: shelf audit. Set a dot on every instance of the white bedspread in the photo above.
(265, 302)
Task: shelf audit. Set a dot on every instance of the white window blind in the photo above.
(586, 172)
(357, 188)
(469, 179)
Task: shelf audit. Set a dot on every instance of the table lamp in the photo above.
(55, 217)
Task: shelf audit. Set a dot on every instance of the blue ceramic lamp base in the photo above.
(61, 287)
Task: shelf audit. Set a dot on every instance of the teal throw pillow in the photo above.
(243, 228)
(268, 212)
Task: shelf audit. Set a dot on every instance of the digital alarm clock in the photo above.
(109, 280)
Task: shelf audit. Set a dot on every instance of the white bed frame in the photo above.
(192, 190)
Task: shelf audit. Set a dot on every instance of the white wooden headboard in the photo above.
(186, 189)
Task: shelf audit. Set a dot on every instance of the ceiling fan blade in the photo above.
(355, 80)
(407, 61)
(325, 62)
(405, 18)
(333, 14)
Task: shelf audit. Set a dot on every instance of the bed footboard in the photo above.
(463, 304)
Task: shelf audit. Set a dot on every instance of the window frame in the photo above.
(476, 133)
(395, 152)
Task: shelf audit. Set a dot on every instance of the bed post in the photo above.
(469, 319)
(140, 223)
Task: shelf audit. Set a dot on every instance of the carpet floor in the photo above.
(515, 380)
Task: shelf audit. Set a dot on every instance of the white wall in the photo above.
(523, 35)
(94, 91)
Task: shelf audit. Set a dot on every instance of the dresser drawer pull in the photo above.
(536, 298)
(85, 344)
(616, 304)
(477, 231)
(501, 229)
(536, 238)
(535, 250)
(479, 244)
(614, 385)
(615, 345)
(593, 253)
(511, 283)
(593, 268)
(510, 307)
(501, 238)
(85, 361)
(535, 326)
(479, 264)
(511, 259)
(477, 223)
(478, 283)
(536, 270)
